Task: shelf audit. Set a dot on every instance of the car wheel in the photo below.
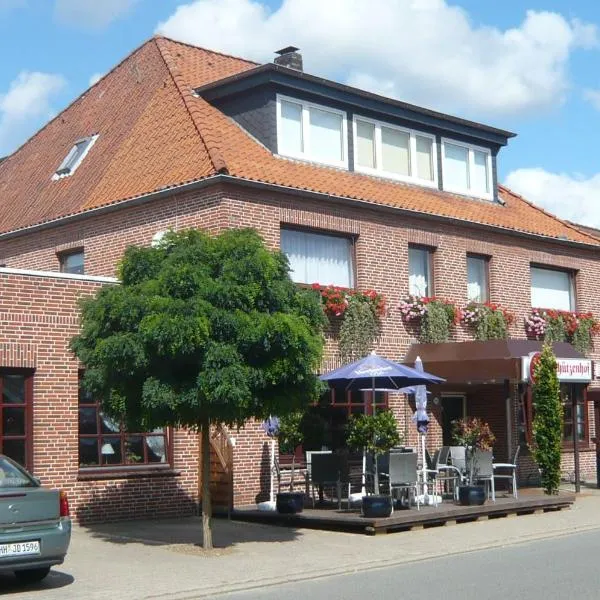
(32, 575)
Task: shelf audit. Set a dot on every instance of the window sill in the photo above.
(583, 447)
(102, 473)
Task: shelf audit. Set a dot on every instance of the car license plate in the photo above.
(20, 548)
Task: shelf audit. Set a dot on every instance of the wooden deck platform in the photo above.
(447, 513)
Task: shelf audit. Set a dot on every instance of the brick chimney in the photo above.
(289, 57)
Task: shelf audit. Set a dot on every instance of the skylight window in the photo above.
(75, 156)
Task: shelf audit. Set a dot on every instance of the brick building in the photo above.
(359, 190)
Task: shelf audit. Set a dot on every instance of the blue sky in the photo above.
(530, 67)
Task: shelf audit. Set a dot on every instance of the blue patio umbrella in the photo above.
(377, 373)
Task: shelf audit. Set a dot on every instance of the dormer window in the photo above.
(75, 156)
(466, 169)
(311, 132)
(395, 152)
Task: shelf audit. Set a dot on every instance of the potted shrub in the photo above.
(474, 434)
(289, 434)
(376, 434)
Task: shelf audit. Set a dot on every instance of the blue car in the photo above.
(35, 527)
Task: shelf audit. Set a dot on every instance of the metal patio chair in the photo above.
(483, 470)
(508, 471)
(329, 470)
(403, 474)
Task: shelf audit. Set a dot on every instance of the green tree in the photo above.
(203, 331)
(548, 420)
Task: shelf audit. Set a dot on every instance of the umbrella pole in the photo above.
(376, 475)
(423, 468)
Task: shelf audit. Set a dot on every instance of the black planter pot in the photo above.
(289, 503)
(377, 506)
(471, 495)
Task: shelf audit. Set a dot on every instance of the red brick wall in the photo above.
(38, 316)
(381, 263)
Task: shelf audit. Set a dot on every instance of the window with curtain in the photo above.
(552, 288)
(477, 278)
(419, 271)
(104, 442)
(466, 169)
(311, 132)
(318, 258)
(15, 424)
(396, 152)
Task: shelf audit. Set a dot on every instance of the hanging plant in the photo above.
(359, 329)
(437, 316)
(563, 326)
(489, 320)
(336, 299)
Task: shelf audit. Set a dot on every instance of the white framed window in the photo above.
(477, 278)
(395, 152)
(419, 271)
(311, 132)
(552, 288)
(466, 169)
(75, 157)
(318, 257)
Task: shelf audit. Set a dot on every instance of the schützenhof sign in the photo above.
(576, 370)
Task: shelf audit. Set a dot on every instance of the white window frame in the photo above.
(571, 276)
(306, 154)
(470, 148)
(91, 140)
(379, 172)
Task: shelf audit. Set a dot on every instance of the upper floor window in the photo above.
(552, 288)
(383, 149)
(72, 262)
(103, 442)
(75, 156)
(477, 278)
(319, 258)
(311, 132)
(466, 169)
(419, 271)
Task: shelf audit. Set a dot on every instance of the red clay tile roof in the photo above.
(155, 133)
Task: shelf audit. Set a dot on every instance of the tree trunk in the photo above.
(207, 542)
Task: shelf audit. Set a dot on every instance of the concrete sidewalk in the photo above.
(143, 560)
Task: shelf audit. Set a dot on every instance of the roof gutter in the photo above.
(249, 183)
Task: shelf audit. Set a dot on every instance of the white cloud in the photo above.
(423, 51)
(569, 196)
(593, 97)
(91, 14)
(25, 106)
(95, 78)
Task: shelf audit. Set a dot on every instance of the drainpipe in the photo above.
(508, 409)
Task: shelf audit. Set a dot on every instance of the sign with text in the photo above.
(574, 370)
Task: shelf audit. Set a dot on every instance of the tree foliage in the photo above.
(548, 421)
(376, 433)
(202, 330)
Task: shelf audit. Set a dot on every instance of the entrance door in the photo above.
(453, 407)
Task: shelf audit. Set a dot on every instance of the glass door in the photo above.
(453, 407)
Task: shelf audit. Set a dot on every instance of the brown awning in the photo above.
(490, 361)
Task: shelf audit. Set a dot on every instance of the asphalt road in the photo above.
(550, 569)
